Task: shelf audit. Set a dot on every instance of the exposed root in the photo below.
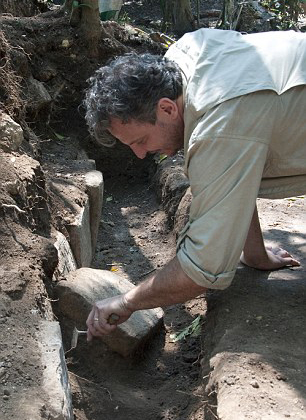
(91, 382)
(13, 206)
(10, 97)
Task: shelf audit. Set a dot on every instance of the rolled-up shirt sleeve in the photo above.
(225, 175)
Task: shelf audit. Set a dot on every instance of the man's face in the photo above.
(166, 136)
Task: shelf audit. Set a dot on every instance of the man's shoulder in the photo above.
(192, 42)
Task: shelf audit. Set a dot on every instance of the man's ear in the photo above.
(166, 109)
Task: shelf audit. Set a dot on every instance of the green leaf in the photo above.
(85, 5)
(161, 158)
(193, 330)
(59, 136)
(76, 4)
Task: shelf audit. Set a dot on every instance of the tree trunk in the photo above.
(85, 13)
(68, 5)
(91, 25)
(178, 14)
(230, 14)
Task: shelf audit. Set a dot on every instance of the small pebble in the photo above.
(194, 375)
(254, 384)
(189, 357)
(230, 381)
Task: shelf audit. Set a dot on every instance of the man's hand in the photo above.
(106, 315)
(168, 286)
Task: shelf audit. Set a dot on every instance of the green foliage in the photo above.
(161, 158)
(76, 4)
(124, 18)
(193, 330)
(286, 11)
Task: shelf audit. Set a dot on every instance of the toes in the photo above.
(284, 254)
(291, 262)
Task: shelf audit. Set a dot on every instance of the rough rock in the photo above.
(85, 286)
(66, 260)
(11, 134)
(182, 213)
(171, 183)
(24, 184)
(40, 97)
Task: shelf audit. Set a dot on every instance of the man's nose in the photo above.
(139, 151)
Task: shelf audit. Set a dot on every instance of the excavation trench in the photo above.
(163, 379)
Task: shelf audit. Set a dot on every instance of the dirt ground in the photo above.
(164, 380)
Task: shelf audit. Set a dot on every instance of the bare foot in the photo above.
(274, 259)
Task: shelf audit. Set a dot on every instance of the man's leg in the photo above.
(255, 254)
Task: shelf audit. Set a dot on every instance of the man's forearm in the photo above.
(167, 287)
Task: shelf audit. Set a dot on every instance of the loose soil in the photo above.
(165, 379)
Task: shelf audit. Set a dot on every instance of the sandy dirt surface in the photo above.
(254, 338)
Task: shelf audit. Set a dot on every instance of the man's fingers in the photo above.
(92, 324)
(106, 315)
(97, 322)
(89, 335)
(97, 325)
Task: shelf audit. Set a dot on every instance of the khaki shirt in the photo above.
(244, 137)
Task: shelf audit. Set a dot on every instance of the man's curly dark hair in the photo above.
(129, 88)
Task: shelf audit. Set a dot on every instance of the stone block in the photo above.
(11, 134)
(80, 236)
(55, 383)
(83, 287)
(40, 97)
(94, 187)
(66, 260)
